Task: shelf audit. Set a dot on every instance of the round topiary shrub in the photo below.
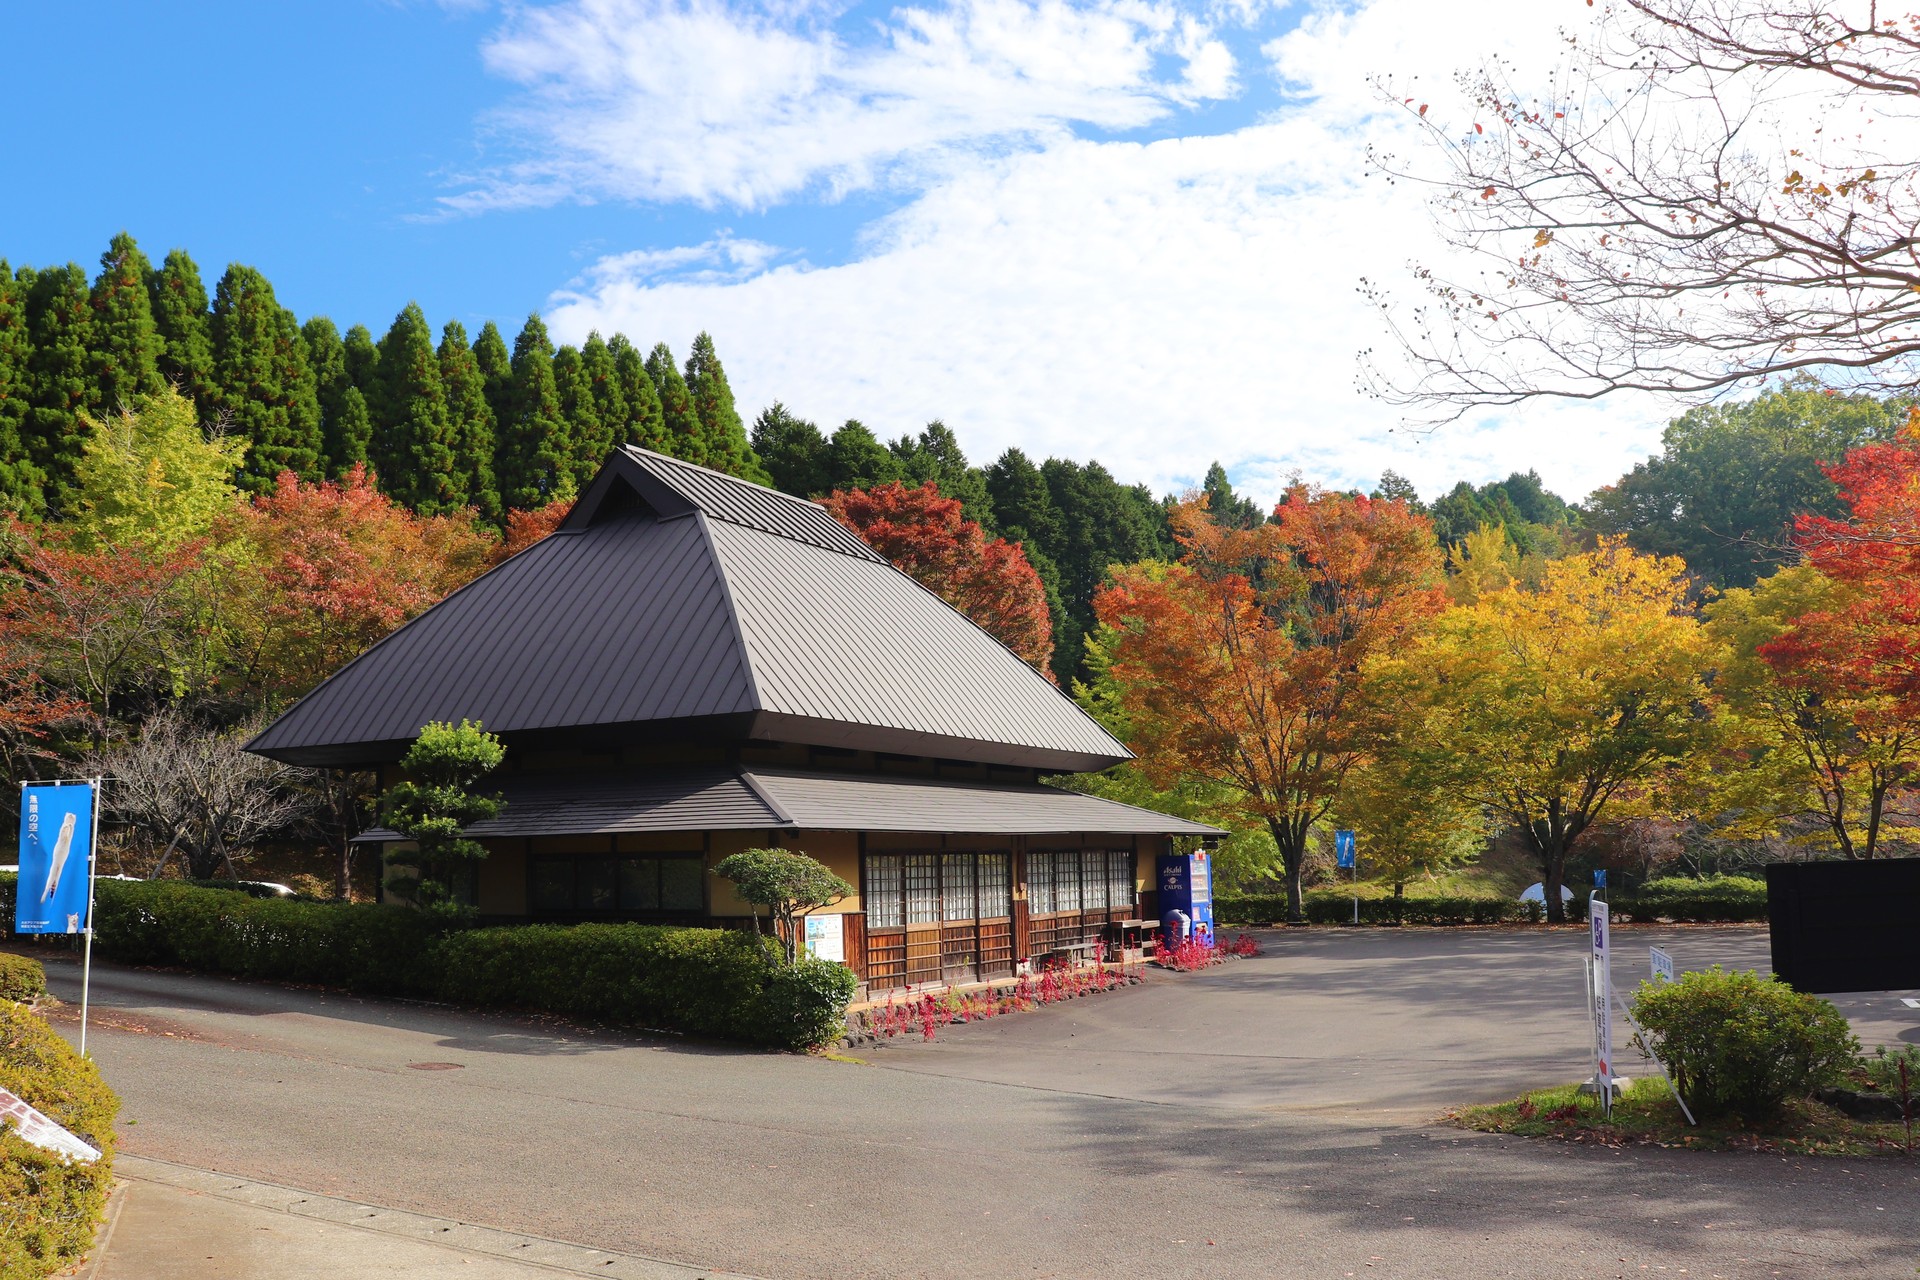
(21, 978)
(1740, 1044)
(50, 1207)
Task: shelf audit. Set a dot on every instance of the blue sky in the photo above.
(1125, 229)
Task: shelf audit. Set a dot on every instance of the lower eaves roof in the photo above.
(726, 799)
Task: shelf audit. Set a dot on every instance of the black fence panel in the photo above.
(1846, 926)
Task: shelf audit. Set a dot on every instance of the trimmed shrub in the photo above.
(1741, 1044)
(21, 978)
(714, 982)
(711, 982)
(48, 1206)
(1323, 906)
(366, 948)
(1704, 900)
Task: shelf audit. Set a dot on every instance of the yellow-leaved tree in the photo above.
(1553, 705)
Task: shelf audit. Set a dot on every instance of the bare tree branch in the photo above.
(1714, 193)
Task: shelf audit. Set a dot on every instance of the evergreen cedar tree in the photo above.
(1240, 663)
(926, 537)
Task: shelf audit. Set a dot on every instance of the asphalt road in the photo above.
(1270, 1117)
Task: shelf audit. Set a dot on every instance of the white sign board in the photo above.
(40, 1131)
(827, 938)
(1662, 964)
(1603, 989)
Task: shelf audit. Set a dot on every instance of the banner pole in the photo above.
(86, 963)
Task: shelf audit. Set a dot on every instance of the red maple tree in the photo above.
(524, 528)
(927, 538)
(1874, 642)
(326, 569)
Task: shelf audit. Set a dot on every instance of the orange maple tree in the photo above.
(327, 569)
(1239, 665)
(988, 579)
(524, 528)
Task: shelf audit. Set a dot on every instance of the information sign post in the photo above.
(1344, 855)
(59, 831)
(1601, 961)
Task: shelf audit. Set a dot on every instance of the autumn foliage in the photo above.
(1874, 640)
(1239, 664)
(926, 537)
(335, 566)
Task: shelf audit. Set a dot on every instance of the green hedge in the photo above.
(1721, 899)
(713, 982)
(1322, 907)
(706, 981)
(49, 1208)
(366, 948)
(21, 978)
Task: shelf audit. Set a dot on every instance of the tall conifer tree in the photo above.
(178, 301)
(363, 362)
(609, 397)
(261, 385)
(471, 419)
(126, 345)
(680, 431)
(412, 447)
(723, 434)
(793, 451)
(60, 383)
(344, 425)
(20, 477)
(643, 424)
(588, 438)
(490, 353)
(533, 461)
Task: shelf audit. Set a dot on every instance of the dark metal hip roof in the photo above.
(674, 595)
(724, 799)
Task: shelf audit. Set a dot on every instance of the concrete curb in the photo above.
(513, 1246)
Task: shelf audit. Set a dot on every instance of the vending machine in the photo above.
(1186, 895)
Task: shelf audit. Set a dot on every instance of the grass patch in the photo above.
(1645, 1115)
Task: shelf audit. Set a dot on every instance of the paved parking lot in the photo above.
(1270, 1117)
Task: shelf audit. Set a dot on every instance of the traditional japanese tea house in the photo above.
(693, 665)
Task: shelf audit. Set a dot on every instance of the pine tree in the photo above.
(20, 477)
(1228, 509)
(178, 301)
(588, 437)
(471, 419)
(792, 450)
(262, 387)
(724, 436)
(344, 427)
(412, 449)
(496, 371)
(60, 385)
(126, 345)
(533, 458)
(643, 424)
(680, 431)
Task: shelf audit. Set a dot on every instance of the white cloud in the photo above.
(1156, 305)
(695, 100)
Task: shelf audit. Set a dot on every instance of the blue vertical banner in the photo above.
(1343, 849)
(56, 858)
